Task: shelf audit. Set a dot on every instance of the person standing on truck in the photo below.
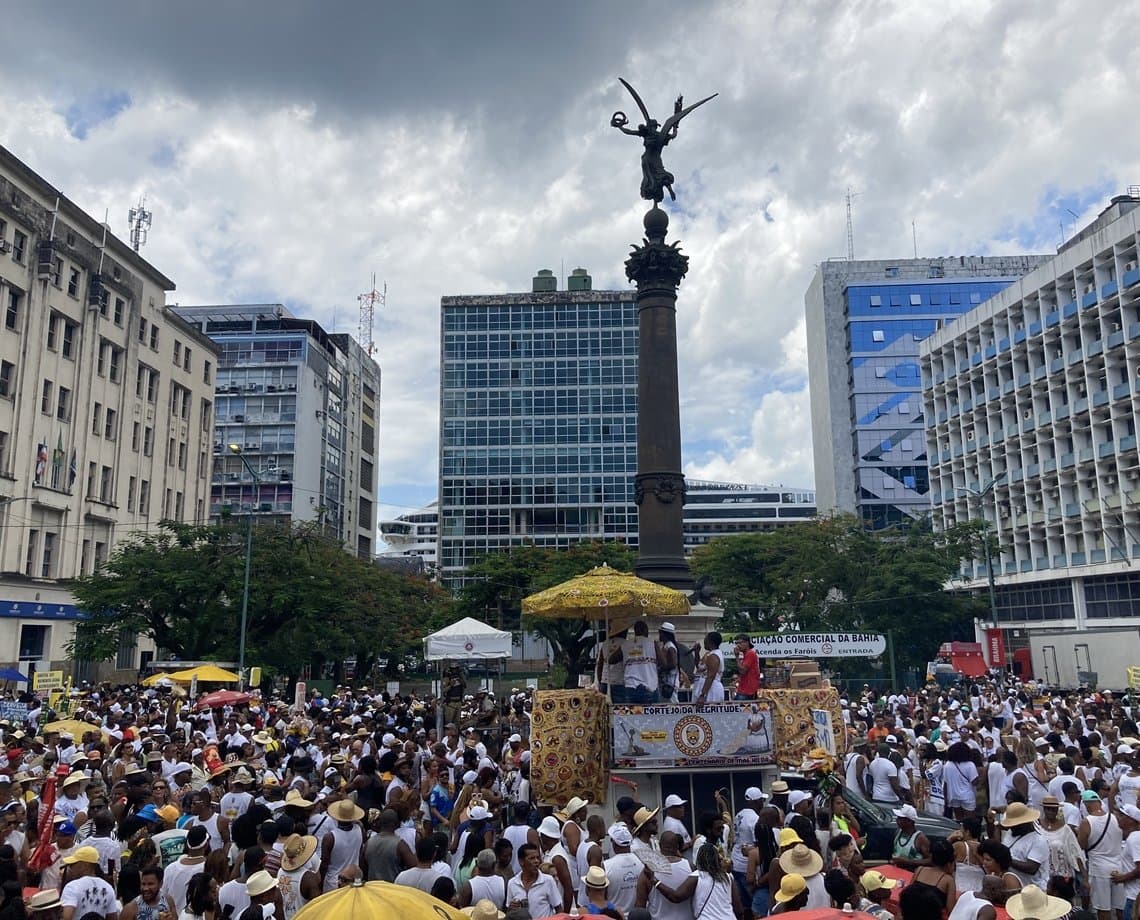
(668, 671)
(639, 657)
(748, 664)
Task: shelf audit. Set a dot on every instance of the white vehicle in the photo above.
(1085, 657)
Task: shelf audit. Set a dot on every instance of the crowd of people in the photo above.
(155, 810)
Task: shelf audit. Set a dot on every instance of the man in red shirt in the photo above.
(748, 675)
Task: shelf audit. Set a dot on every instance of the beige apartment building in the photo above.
(106, 413)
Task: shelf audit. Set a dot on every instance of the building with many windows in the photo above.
(106, 412)
(721, 509)
(415, 533)
(1031, 403)
(538, 419)
(301, 406)
(865, 322)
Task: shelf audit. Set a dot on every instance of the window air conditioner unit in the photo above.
(252, 446)
(233, 477)
(1128, 266)
(1089, 288)
(5, 246)
(1027, 414)
(239, 418)
(970, 434)
(1116, 327)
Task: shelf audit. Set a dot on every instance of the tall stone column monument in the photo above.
(657, 267)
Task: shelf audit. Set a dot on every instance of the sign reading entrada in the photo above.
(819, 645)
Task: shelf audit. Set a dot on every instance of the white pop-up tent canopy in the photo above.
(467, 639)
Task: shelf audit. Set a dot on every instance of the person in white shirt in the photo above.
(85, 892)
(887, 789)
(533, 889)
(744, 838)
(674, 822)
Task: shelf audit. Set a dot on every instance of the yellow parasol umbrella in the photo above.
(73, 727)
(206, 673)
(378, 901)
(607, 594)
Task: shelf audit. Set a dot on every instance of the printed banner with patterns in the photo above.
(570, 745)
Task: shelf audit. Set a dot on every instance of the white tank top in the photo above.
(345, 852)
(211, 825)
(640, 655)
(289, 884)
(516, 834)
(582, 858)
(968, 906)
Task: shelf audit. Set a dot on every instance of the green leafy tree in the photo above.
(498, 582)
(310, 602)
(833, 575)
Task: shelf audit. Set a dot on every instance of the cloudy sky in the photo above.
(290, 149)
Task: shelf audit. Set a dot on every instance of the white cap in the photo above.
(907, 811)
(620, 835)
(550, 827)
(388, 739)
(798, 796)
(672, 801)
(891, 739)
(753, 794)
(1124, 749)
(469, 777)
(515, 738)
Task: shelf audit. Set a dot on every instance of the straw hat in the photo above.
(575, 805)
(801, 860)
(259, 883)
(596, 878)
(298, 850)
(346, 811)
(294, 797)
(74, 779)
(45, 899)
(483, 910)
(1019, 813)
(1032, 902)
(642, 817)
(791, 886)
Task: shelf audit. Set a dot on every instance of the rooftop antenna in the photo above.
(139, 219)
(850, 228)
(914, 238)
(368, 304)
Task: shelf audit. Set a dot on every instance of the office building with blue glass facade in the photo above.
(865, 323)
(538, 420)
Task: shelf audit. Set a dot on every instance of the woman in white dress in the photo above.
(708, 686)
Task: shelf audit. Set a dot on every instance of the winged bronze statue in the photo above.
(655, 178)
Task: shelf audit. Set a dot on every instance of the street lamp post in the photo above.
(236, 449)
(979, 494)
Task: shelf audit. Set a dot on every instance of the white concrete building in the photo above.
(721, 509)
(106, 412)
(1036, 391)
(302, 406)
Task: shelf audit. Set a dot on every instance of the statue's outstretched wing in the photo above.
(674, 119)
(637, 99)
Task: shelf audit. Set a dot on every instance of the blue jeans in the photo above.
(617, 694)
(640, 695)
(741, 879)
(744, 696)
(1128, 908)
(761, 900)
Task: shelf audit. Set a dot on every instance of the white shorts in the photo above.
(1103, 895)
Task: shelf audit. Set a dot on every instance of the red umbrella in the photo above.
(41, 857)
(828, 913)
(220, 698)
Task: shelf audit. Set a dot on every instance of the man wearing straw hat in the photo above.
(1028, 850)
(299, 880)
(805, 862)
(1031, 903)
(343, 844)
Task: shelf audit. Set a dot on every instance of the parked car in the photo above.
(877, 822)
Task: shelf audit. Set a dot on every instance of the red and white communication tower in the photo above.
(368, 303)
